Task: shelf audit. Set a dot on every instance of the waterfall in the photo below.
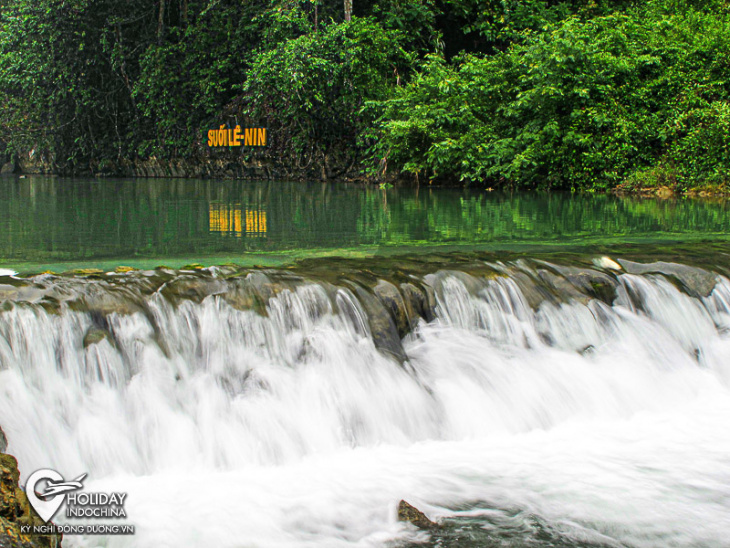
(275, 408)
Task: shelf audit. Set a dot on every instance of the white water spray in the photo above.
(232, 428)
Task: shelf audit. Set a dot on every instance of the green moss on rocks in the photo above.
(15, 511)
(411, 514)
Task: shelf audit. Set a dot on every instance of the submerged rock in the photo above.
(411, 514)
(15, 511)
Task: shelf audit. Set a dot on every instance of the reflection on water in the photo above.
(226, 219)
(50, 219)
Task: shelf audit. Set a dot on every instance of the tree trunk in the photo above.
(161, 22)
(348, 10)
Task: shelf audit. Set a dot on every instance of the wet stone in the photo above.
(411, 514)
(588, 281)
(696, 281)
(95, 336)
(419, 301)
(193, 288)
(394, 303)
(534, 293)
(382, 327)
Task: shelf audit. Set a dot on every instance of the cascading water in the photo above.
(523, 404)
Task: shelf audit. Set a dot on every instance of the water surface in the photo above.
(54, 222)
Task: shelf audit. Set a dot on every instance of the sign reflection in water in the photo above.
(228, 218)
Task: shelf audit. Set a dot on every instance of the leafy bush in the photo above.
(311, 89)
(582, 105)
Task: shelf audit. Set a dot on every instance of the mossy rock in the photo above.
(87, 271)
(15, 511)
(95, 336)
(192, 287)
(193, 266)
(124, 269)
(411, 514)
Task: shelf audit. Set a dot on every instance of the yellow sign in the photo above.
(226, 137)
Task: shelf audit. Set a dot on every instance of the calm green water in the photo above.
(52, 222)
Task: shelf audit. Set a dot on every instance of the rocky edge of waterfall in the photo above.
(15, 510)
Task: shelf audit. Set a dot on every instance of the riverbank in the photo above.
(263, 170)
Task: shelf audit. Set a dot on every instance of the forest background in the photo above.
(578, 94)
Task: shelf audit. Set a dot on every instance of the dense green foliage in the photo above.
(312, 88)
(582, 94)
(584, 104)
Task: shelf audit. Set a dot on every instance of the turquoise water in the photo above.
(58, 223)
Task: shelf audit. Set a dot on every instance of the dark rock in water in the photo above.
(15, 511)
(588, 281)
(565, 290)
(102, 300)
(95, 336)
(393, 301)
(534, 293)
(242, 297)
(193, 288)
(265, 286)
(3, 441)
(382, 327)
(419, 301)
(697, 282)
(411, 514)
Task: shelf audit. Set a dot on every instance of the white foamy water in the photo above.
(227, 428)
